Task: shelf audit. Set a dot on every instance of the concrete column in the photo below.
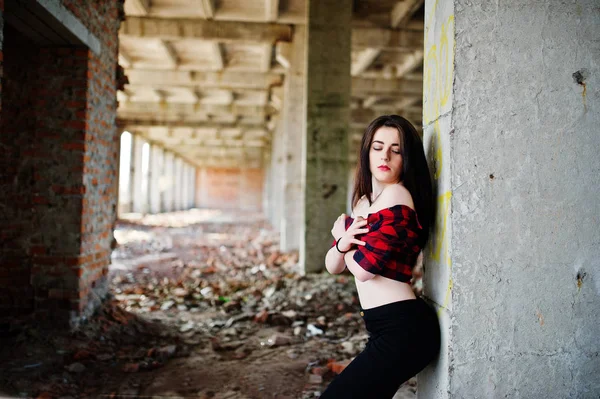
(125, 172)
(184, 185)
(178, 183)
(168, 193)
(328, 114)
(139, 196)
(277, 177)
(156, 173)
(190, 184)
(189, 187)
(512, 136)
(201, 192)
(294, 120)
(267, 186)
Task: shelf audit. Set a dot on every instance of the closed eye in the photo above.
(379, 149)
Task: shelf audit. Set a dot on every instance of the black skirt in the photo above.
(404, 337)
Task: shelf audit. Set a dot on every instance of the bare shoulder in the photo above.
(396, 194)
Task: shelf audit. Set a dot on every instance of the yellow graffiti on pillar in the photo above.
(441, 224)
(447, 56)
(439, 72)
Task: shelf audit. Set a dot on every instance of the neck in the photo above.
(378, 188)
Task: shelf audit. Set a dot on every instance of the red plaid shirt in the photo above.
(392, 243)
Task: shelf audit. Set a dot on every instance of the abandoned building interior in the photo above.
(171, 169)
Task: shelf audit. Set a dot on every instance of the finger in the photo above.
(360, 223)
(355, 230)
(358, 242)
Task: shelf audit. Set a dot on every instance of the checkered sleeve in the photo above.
(392, 245)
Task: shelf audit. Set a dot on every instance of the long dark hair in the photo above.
(415, 172)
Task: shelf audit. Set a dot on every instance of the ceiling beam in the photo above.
(168, 112)
(403, 12)
(142, 6)
(398, 40)
(267, 55)
(147, 124)
(208, 8)
(409, 63)
(385, 86)
(124, 59)
(408, 101)
(225, 31)
(216, 55)
(283, 54)
(227, 80)
(271, 10)
(364, 60)
(361, 117)
(370, 101)
(208, 145)
(171, 53)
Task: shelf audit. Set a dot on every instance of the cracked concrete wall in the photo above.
(524, 185)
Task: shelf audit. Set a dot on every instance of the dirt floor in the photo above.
(201, 305)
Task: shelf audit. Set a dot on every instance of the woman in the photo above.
(380, 244)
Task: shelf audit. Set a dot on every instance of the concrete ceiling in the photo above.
(206, 76)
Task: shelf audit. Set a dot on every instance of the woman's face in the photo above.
(385, 159)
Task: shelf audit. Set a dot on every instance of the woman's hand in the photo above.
(339, 227)
(346, 238)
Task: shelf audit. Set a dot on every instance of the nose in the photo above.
(385, 156)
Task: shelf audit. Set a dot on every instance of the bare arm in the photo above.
(334, 261)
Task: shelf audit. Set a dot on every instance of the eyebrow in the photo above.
(381, 142)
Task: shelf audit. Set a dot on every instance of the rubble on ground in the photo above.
(216, 288)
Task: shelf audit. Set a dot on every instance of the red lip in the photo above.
(383, 167)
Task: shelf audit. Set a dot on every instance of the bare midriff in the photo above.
(380, 291)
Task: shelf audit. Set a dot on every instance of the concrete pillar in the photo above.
(168, 193)
(139, 196)
(328, 114)
(125, 172)
(294, 120)
(178, 183)
(267, 186)
(277, 177)
(184, 185)
(194, 181)
(512, 136)
(190, 187)
(201, 192)
(156, 173)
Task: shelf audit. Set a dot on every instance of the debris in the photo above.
(220, 293)
(76, 368)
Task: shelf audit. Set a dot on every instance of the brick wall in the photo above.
(229, 188)
(60, 193)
